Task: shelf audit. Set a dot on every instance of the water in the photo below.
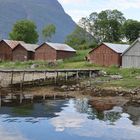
(67, 119)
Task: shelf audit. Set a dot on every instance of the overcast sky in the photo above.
(82, 8)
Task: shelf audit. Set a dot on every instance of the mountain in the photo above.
(42, 12)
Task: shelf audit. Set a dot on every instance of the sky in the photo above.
(82, 8)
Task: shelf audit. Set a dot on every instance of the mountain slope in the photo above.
(42, 12)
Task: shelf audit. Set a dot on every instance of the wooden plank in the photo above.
(12, 74)
(50, 71)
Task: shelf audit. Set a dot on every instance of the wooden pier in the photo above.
(11, 77)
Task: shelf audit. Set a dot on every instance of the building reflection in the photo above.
(133, 109)
(102, 110)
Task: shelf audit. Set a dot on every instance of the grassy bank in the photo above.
(131, 77)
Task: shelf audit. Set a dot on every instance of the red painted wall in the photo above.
(105, 56)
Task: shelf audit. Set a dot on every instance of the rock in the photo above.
(137, 77)
(94, 75)
(136, 91)
(77, 89)
(88, 84)
(138, 101)
(52, 64)
(77, 85)
(72, 89)
(33, 66)
(116, 77)
(64, 87)
(102, 73)
(73, 86)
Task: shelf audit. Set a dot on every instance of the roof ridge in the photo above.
(114, 43)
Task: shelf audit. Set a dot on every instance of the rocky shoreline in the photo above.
(100, 91)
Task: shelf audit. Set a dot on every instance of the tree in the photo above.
(24, 30)
(104, 26)
(48, 31)
(131, 30)
(80, 39)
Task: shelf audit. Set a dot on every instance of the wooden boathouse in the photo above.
(107, 54)
(131, 57)
(53, 51)
(6, 47)
(24, 52)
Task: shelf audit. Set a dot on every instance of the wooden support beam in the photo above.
(32, 98)
(57, 74)
(66, 76)
(90, 74)
(45, 76)
(44, 96)
(22, 80)
(55, 77)
(54, 96)
(21, 98)
(77, 74)
(12, 76)
(0, 99)
(33, 79)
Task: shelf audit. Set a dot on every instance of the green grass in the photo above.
(126, 83)
(80, 56)
(126, 73)
(129, 80)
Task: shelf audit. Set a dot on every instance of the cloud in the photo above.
(5, 135)
(81, 8)
(67, 120)
(71, 1)
(123, 4)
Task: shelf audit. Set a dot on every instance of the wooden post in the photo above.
(54, 96)
(22, 80)
(55, 77)
(32, 98)
(0, 100)
(33, 79)
(21, 98)
(44, 96)
(45, 76)
(77, 75)
(66, 76)
(90, 74)
(12, 75)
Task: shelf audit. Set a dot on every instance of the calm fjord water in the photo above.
(67, 119)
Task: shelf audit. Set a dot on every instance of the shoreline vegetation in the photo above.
(111, 79)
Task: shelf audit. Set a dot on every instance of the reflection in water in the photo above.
(68, 118)
(133, 109)
(37, 119)
(100, 110)
(5, 135)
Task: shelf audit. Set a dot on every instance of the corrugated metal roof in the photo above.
(29, 47)
(13, 43)
(61, 47)
(119, 48)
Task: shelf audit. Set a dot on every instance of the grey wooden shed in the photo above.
(131, 57)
